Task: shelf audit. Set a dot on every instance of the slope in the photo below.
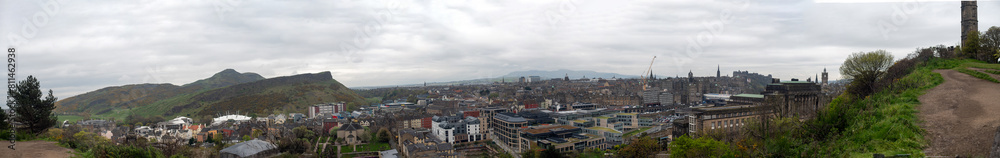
(105, 100)
(289, 93)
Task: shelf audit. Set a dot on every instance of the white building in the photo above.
(328, 108)
(454, 129)
(222, 119)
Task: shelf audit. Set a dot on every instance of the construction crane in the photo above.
(648, 70)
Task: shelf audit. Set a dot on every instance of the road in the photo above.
(960, 115)
(34, 149)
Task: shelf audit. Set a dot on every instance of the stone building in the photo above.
(793, 98)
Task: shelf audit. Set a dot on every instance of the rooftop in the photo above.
(750, 95)
(546, 129)
(603, 129)
(249, 148)
(626, 114)
(510, 117)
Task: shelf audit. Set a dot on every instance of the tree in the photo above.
(973, 47)
(411, 99)
(684, 146)
(217, 138)
(303, 132)
(991, 42)
(293, 145)
(32, 111)
(3, 120)
(642, 147)
(256, 133)
(865, 68)
(209, 138)
(383, 135)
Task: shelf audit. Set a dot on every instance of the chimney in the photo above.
(775, 80)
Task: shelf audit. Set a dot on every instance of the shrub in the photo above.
(865, 68)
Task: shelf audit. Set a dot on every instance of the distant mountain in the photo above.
(226, 78)
(563, 72)
(225, 91)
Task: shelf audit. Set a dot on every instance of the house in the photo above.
(329, 124)
(351, 132)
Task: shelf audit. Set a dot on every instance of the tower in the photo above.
(969, 18)
(651, 75)
(825, 76)
(690, 76)
(566, 78)
(718, 71)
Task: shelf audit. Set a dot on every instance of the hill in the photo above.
(225, 91)
(106, 99)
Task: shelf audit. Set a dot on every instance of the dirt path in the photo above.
(34, 149)
(961, 115)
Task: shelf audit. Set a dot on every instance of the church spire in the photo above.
(718, 71)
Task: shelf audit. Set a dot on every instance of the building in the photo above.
(328, 108)
(746, 99)
(534, 78)
(563, 138)
(970, 22)
(351, 132)
(629, 121)
(486, 118)
(329, 124)
(793, 98)
(826, 78)
(455, 129)
(785, 99)
(610, 135)
(504, 128)
(421, 143)
(723, 118)
(250, 149)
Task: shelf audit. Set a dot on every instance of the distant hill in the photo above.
(563, 72)
(130, 96)
(225, 91)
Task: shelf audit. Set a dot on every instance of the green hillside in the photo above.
(290, 93)
(225, 91)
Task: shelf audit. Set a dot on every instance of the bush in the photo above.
(865, 68)
(684, 146)
(293, 145)
(106, 151)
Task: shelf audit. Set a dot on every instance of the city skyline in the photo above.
(81, 47)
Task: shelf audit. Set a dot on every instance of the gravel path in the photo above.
(961, 115)
(34, 149)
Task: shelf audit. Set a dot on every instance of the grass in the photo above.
(964, 66)
(977, 74)
(70, 118)
(633, 132)
(365, 147)
(891, 125)
(992, 71)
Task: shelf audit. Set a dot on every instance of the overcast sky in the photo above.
(78, 46)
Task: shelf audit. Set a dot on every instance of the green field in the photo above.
(365, 147)
(70, 118)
